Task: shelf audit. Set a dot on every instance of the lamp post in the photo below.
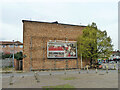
(13, 53)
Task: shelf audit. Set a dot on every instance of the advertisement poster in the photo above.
(62, 49)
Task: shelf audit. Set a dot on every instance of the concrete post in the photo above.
(11, 80)
(65, 71)
(114, 66)
(106, 68)
(87, 69)
(36, 77)
(96, 70)
(50, 72)
(79, 71)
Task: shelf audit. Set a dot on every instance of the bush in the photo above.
(3, 56)
(17, 56)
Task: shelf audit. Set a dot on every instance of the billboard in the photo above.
(62, 49)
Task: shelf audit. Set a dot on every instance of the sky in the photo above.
(79, 12)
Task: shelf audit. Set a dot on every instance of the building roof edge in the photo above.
(56, 22)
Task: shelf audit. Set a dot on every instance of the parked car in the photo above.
(112, 62)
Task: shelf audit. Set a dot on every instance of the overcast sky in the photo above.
(80, 12)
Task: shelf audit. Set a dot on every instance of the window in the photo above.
(21, 46)
(10, 45)
(11, 51)
(3, 46)
(16, 45)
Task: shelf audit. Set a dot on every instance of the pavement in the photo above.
(85, 79)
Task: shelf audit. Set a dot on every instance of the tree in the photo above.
(4, 55)
(94, 43)
(19, 56)
(104, 46)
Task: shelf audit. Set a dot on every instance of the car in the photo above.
(112, 62)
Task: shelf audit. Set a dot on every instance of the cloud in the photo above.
(10, 32)
(104, 14)
(112, 30)
(60, 1)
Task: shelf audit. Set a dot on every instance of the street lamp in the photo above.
(13, 53)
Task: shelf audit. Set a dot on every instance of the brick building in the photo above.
(6, 47)
(37, 34)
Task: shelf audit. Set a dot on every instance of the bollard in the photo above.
(36, 77)
(65, 72)
(84, 68)
(50, 72)
(96, 70)
(103, 67)
(79, 71)
(22, 76)
(114, 66)
(106, 68)
(11, 80)
(87, 68)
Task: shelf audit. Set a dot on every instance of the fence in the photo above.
(6, 62)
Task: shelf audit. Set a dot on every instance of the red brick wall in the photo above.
(38, 33)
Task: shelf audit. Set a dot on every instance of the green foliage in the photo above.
(94, 43)
(19, 56)
(3, 56)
